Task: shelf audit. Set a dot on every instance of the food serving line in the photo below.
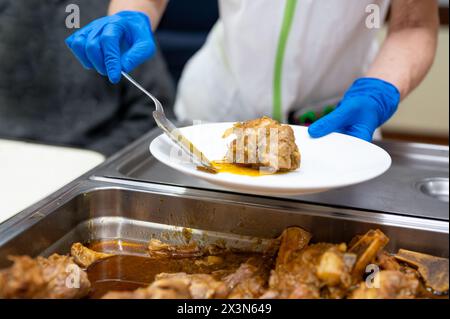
(133, 197)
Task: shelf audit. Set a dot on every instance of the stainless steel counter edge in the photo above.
(413, 163)
(39, 211)
(288, 205)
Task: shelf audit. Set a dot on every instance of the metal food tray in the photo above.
(87, 211)
(416, 184)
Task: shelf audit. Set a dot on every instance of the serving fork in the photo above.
(173, 132)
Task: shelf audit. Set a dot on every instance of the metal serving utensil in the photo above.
(173, 132)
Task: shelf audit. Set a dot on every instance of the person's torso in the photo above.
(268, 57)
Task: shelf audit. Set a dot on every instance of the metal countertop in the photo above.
(415, 185)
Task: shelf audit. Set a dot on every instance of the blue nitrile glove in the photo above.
(366, 105)
(114, 43)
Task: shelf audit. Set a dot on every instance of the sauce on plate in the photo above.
(237, 169)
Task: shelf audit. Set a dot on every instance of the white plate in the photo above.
(333, 161)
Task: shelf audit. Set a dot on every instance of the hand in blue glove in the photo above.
(366, 105)
(114, 43)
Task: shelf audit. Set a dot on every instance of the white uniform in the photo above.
(242, 72)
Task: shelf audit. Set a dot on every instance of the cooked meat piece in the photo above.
(84, 256)
(49, 278)
(158, 249)
(303, 271)
(249, 281)
(334, 265)
(299, 270)
(201, 286)
(392, 285)
(176, 286)
(281, 284)
(387, 261)
(161, 289)
(263, 143)
(314, 268)
(366, 248)
(292, 240)
(251, 288)
(434, 270)
(24, 279)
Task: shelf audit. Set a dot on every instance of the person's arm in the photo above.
(409, 49)
(154, 9)
(401, 64)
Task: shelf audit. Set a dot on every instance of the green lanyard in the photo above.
(289, 11)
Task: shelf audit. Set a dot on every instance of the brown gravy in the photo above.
(236, 169)
(127, 272)
(132, 268)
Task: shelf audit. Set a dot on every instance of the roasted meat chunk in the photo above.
(388, 284)
(293, 240)
(176, 286)
(366, 248)
(84, 256)
(313, 269)
(161, 289)
(433, 270)
(388, 262)
(201, 286)
(310, 271)
(263, 143)
(249, 281)
(158, 249)
(55, 277)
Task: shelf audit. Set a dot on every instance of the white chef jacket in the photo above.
(242, 71)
